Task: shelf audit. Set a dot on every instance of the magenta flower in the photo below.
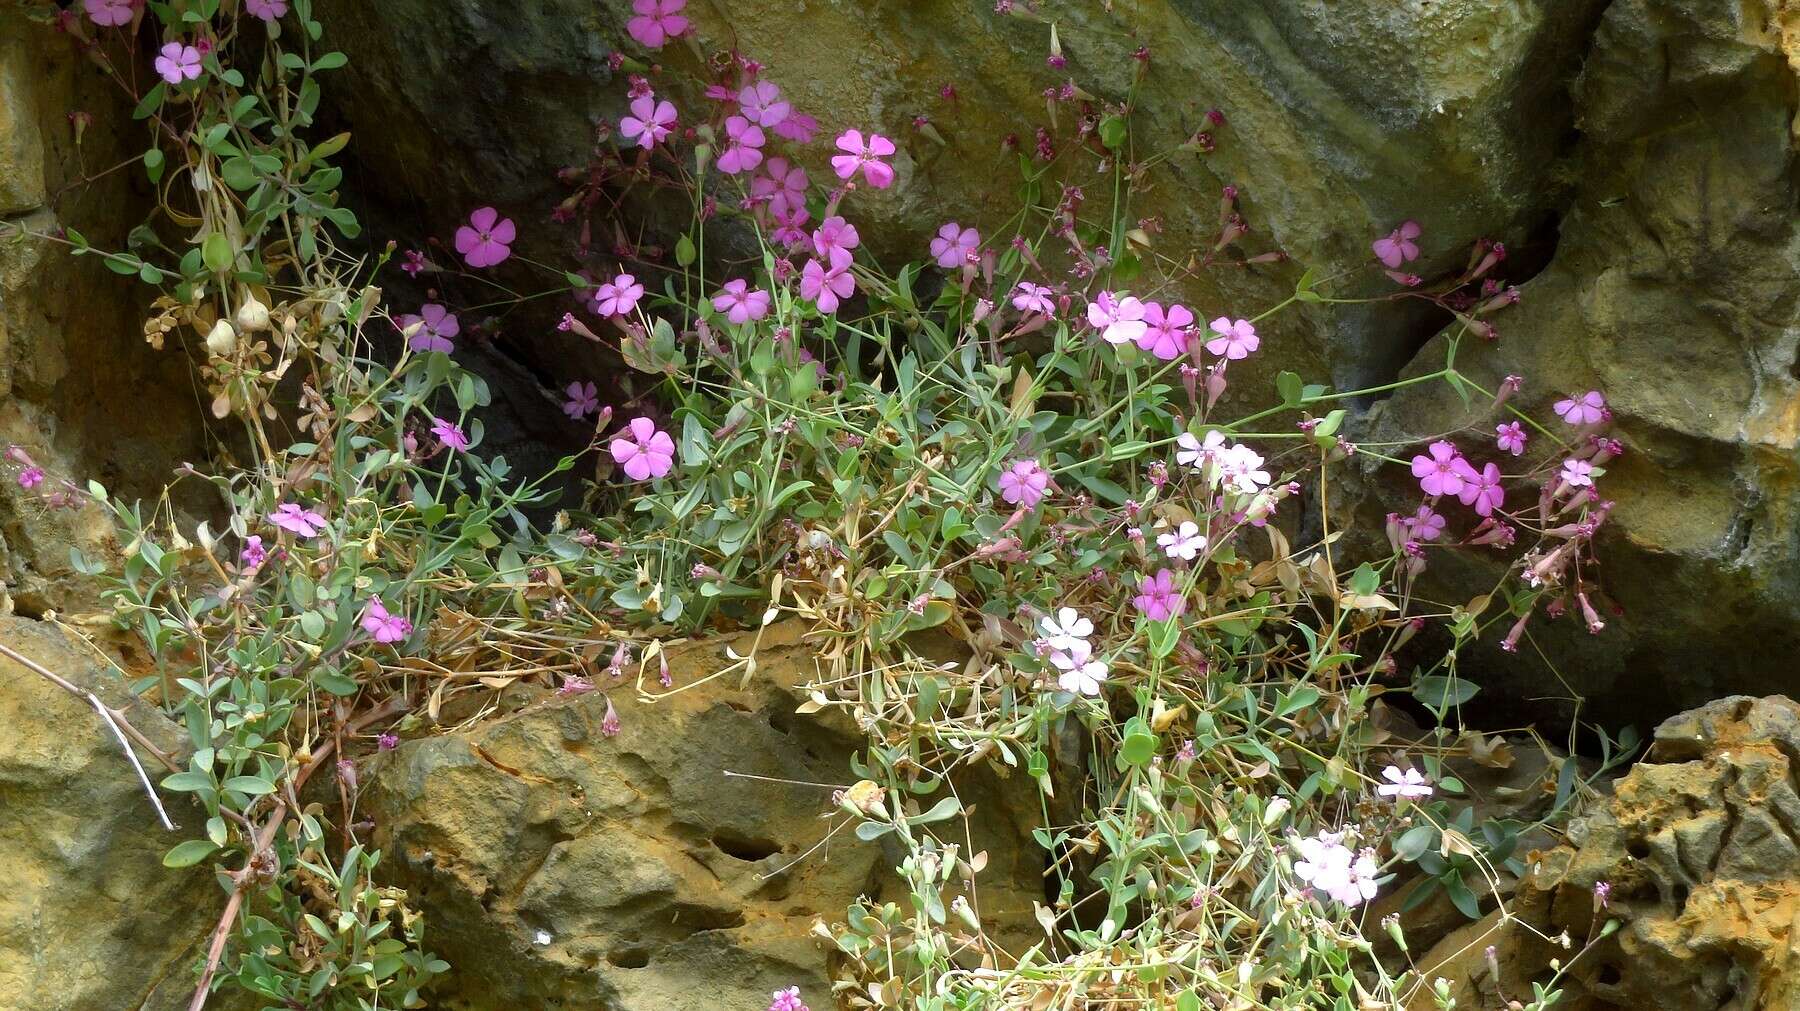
(743, 146)
(790, 221)
(865, 155)
(1586, 409)
(1023, 484)
(253, 552)
(657, 21)
(268, 10)
(835, 233)
(1119, 320)
(761, 104)
(1426, 524)
(1481, 488)
(787, 1000)
(450, 434)
(584, 399)
(108, 13)
(383, 626)
(617, 297)
(1236, 339)
(295, 520)
(783, 182)
(1398, 247)
(484, 241)
(649, 123)
(740, 303)
(177, 63)
(436, 326)
(1577, 473)
(1166, 331)
(1158, 598)
(414, 263)
(955, 245)
(643, 451)
(1029, 297)
(388, 741)
(797, 127)
(1437, 472)
(31, 477)
(826, 287)
(1511, 437)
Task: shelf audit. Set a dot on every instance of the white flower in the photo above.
(1410, 783)
(1081, 673)
(1331, 867)
(1065, 630)
(1184, 542)
(1242, 468)
(1191, 452)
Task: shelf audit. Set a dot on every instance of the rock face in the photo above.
(90, 919)
(76, 379)
(561, 867)
(1700, 846)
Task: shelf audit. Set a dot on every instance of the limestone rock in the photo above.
(558, 866)
(90, 919)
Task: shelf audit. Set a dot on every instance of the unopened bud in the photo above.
(252, 316)
(221, 340)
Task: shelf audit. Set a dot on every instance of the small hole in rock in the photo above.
(629, 957)
(745, 847)
(1608, 975)
(1638, 848)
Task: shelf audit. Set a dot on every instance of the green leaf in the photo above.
(151, 102)
(1289, 385)
(949, 807)
(1113, 130)
(334, 682)
(869, 831)
(330, 61)
(187, 782)
(238, 173)
(215, 251)
(153, 164)
(684, 251)
(1414, 842)
(189, 853)
(1440, 693)
(253, 785)
(1164, 636)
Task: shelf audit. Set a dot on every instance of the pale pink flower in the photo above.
(1065, 629)
(1331, 867)
(1236, 339)
(643, 451)
(1029, 297)
(1023, 484)
(253, 552)
(296, 520)
(584, 399)
(1398, 247)
(761, 104)
(1577, 473)
(1242, 469)
(1481, 488)
(1410, 783)
(383, 626)
(650, 121)
(1191, 452)
(617, 297)
(743, 146)
(1437, 472)
(1166, 331)
(824, 286)
(835, 233)
(177, 63)
(1184, 542)
(268, 10)
(740, 303)
(781, 182)
(436, 326)
(1081, 673)
(1120, 319)
(486, 239)
(109, 13)
(1585, 409)
(955, 245)
(797, 127)
(657, 21)
(1158, 598)
(865, 155)
(1511, 437)
(450, 434)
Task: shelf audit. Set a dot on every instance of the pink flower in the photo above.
(584, 399)
(1398, 247)
(1029, 297)
(609, 722)
(436, 326)
(657, 21)
(740, 303)
(826, 287)
(450, 434)
(31, 477)
(787, 1000)
(294, 519)
(388, 741)
(1167, 331)
(1481, 488)
(781, 183)
(1411, 783)
(797, 127)
(1437, 472)
(1577, 473)
(1426, 524)
(108, 13)
(414, 264)
(1586, 409)
(617, 297)
(743, 146)
(761, 103)
(835, 234)
(253, 552)
(268, 10)
(650, 121)
(1157, 597)
(1511, 437)
(382, 626)
(1119, 320)
(484, 241)
(1236, 339)
(790, 221)
(1023, 484)
(177, 63)
(643, 451)
(865, 155)
(955, 245)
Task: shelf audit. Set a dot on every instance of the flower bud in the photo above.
(221, 340)
(252, 316)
